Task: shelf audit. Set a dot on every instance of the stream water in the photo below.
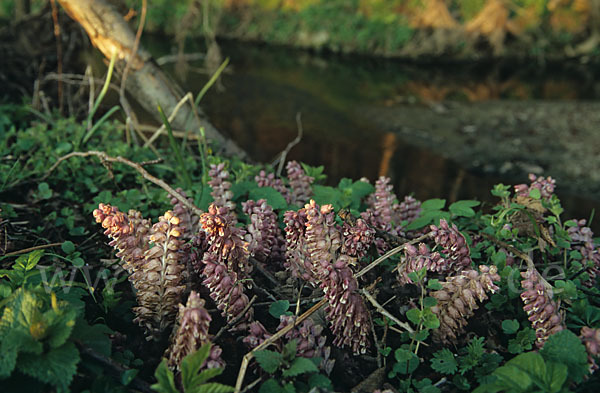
(449, 131)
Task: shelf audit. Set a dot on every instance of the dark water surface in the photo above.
(264, 88)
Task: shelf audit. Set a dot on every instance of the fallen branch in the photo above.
(384, 312)
(284, 153)
(106, 158)
(25, 250)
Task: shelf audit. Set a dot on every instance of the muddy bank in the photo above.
(506, 138)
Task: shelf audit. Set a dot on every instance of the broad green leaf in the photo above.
(211, 387)
(207, 374)
(93, 336)
(429, 301)
(299, 366)
(165, 382)
(241, 189)
(463, 208)
(278, 308)
(324, 195)
(532, 363)
(271, 195)
(535, 193)
(61, 327)
(190, 366)
(289, 350)
(433, 204)
(556, 376)
(513, 378)
(566, 348)
(269, 361)
(56, 367)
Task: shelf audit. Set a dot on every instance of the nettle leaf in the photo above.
(463, 208)
(242, 188)
(165, 381)
(271, 386)
(566, 348)
(300, 366)
(61, 327)
(407, 361)
(324, 195)
(443, 361)
(279, 308)
(269, 361)
(56, 367)
(320, 381)
(272, 196)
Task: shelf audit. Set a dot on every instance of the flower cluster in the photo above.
(453, 245)
(310, 341)
(457, 300)
(296, 260)
(226, 266)
(357, 238)
(262, 229)
(545, 185)
(129, 234)
(591, 339)
(346, 310)
(188, 220)
(300, 183)
(221, 192)
(159, 279)
(408, 210)
(542, 311)
(416, 259)
(156, 273)
(582, 236)
(382, 211)
(192, 333)
(269, 180)
(257, 334)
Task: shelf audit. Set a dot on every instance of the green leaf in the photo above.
(190, 366)
(56, 367)
(566, 348)
(128, 376)
(433, 204)
(33, 258)
(407, 361)
(45, 192)
(68, 247)
(271, 386)
(269, 361)
(510, 326)
(271, 195)
(556, 376)
(320, 381)
(242, 188)
(429, 301)
(207, 374)
(434, 284)
(532, 363)
(443, 361)
(278, 308)
(165, 382)
(61, 327)
(414, 315)
(324, 195)
(463, 208)
(211, 387)
(513, 378)
(289, 350)
(300, 366)
(535, 193)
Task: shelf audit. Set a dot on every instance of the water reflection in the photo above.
(265, 88)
